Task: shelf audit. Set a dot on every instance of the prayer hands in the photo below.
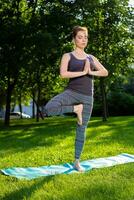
(87, 68)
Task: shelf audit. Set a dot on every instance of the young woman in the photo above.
(79, 67)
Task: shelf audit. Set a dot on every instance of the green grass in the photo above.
(27, 143)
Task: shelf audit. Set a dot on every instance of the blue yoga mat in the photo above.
(67, 168)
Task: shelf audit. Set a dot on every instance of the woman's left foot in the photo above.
(78, 167)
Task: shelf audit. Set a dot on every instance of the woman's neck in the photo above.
(80, 53)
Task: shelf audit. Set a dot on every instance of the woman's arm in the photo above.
(64, 73)
(100, 69)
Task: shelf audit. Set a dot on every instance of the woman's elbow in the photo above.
(105, 73)
(62, 75)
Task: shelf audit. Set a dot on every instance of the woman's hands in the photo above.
(99, 68)
(87, 68)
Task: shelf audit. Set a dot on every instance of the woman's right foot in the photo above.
(78, 110)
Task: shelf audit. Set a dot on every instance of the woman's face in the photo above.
(81, 39)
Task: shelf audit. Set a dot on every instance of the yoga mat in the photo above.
(67, 168)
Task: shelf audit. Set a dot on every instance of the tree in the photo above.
(11, 40)
(110, 37)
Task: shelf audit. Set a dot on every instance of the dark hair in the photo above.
(76, 29)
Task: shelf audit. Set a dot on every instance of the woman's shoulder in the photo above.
(91, 57)
(67, 55)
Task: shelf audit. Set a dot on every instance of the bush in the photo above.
(120, 103)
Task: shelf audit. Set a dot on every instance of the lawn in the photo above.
(27, 143)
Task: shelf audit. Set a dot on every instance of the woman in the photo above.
(80, 68)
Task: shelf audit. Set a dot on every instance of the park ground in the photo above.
(27, 143)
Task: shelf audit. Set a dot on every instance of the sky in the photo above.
(131, 2)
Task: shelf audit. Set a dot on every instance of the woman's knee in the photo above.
(52, 108)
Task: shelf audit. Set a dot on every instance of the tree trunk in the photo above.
(104, 103)
(37, 116)
(20, 105)
(40, 113)
(33, 107)
(8, 102)
(38, 100)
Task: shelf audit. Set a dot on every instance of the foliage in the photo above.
(34, 35)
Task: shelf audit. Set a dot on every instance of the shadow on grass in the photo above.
(27, 123)
(27, 191)
(23, 137)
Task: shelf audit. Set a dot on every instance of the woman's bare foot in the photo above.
(77, 166)
(78, 110)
